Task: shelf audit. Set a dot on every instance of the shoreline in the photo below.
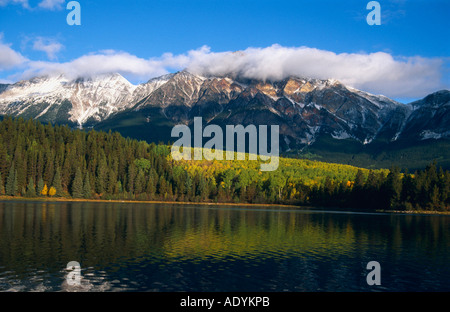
(426, 212)
(81, 200)
(63, 199)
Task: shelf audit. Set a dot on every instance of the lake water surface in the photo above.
(163, 247)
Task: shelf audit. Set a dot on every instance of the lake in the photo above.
(167, 247)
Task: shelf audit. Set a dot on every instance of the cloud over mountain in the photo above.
(378, 72)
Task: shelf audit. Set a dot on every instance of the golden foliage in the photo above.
(44, 190)
(52, 191)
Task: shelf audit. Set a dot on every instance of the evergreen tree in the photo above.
(111, 184)
(392, 188)
(150, 189)
(21, 163)
(49, 161)
(359, 194)
(102, 175)
(40, 187)
(434, 203)
(140, 183)
(407, 195)
(359, 180)
(3, 158)
(31, 190)
(372, 181)
(202, 189)
(87, 191)
(163, 188)
(2, 187)
(119, 187)
(190, 187)
(11, 182)
(57, 183)
(77, 185)
(131, 177)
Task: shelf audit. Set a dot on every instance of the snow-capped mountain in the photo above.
(430, 117)
(305, 109)
(57, 99)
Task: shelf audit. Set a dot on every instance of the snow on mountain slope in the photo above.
(95, 98)
(50, 89)
(99, 97)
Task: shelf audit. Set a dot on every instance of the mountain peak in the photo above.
(441, 96)
(101, 77)
(434, 99)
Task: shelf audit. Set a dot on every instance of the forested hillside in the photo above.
(39, 160)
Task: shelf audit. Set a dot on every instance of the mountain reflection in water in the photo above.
(164, 247)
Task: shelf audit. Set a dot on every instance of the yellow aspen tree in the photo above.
(44, 190)
(52, 191)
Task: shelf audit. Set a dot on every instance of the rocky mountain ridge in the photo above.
(304, 108)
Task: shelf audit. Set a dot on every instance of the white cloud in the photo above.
(49, 46)
(8, 57)
(376, 72)
(51, 4)
(44, 4)
(99, 63)
(24, 3)
(379, 72)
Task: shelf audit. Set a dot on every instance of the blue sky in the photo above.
(409, 51)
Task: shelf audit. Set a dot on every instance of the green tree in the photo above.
(131, 177)
(87, 191)
(102, 175)
(277, 182)
(77, 185)
(3, 158)
(49, 162)
(11, 182)
(163, 187)
(434, 203)
(2, 186)
(119, 187)
(31, 190)
(143, 164)
(393, 188)
(140, 183)
(150, 189)
(189, 186)
(111, 184)
(40, 186)
(359, 180)
(57, 183)
(372, 182)
(243, 181)
(202, 189)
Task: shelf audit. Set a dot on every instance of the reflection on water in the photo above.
(143, 247)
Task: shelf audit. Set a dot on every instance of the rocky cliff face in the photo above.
(430, 117)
